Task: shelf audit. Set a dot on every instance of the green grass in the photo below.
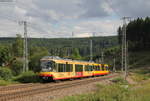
(120, 90)
(139, 59)
(141, 93)
(140, 74)
(103, 93)
(4, 83)
(119, 80)
(139, 77)
(114, 92)
(7, 82)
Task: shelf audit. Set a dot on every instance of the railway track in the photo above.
(16, 87)
(37, 89)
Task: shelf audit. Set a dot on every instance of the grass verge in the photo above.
(114, 92)
(119, 90)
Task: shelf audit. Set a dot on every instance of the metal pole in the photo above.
(102, 56)
(91, 47)
(72, 41)
(26, 68)
(124, 48)
(114, 67)
(122, 62)
(91, 51)
(127, 57)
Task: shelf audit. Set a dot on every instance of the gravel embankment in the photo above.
(54, 95)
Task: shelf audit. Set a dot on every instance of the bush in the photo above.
(34, 64)
(28, 77)
(5, 73)
(17, 67)
(4, 83)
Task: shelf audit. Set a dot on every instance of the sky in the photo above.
(64, 18)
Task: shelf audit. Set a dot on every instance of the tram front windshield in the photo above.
(47, 65)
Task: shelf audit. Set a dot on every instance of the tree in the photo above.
(138, 34)
(17, 46)
(76, 54)
(5, 73)
(5, 55)
(17, 67)
(36, 54)
(120, 35)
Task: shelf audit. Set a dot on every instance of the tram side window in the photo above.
(69, 67)
(94, 67)
(91, 68)
(61, 68)
(78, 68)
(86, 67)
(97, 68)
(106, 68)
(103, 68)
(100, 67)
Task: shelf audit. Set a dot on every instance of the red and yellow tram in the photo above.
(56, 68)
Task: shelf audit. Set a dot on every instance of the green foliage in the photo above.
(140, 74)
(141, 93)
(76, 54)
(5, 73)
(4, 82)
(17, 46)
(63, 46)
(114, 93)
(36, 54)
(137, 34)
(28, 77)
(139, 59)
(4, 55)
(77, 48)
(17, 67)
(103, 93)
(120, 35)
(139, 77)
(110, 54)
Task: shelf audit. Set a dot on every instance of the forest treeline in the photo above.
(63, 47)
(138, 34)
(11, 50)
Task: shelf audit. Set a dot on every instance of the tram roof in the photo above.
(65, 59)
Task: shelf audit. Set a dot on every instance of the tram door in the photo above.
(79, 70)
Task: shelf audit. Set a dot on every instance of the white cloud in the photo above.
(101, 27)
(58, 18)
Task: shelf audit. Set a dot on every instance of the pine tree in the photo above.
(76, 54)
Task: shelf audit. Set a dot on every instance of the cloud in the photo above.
(94, 8)
(101, 27)
(132, 8)
(58, 18)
